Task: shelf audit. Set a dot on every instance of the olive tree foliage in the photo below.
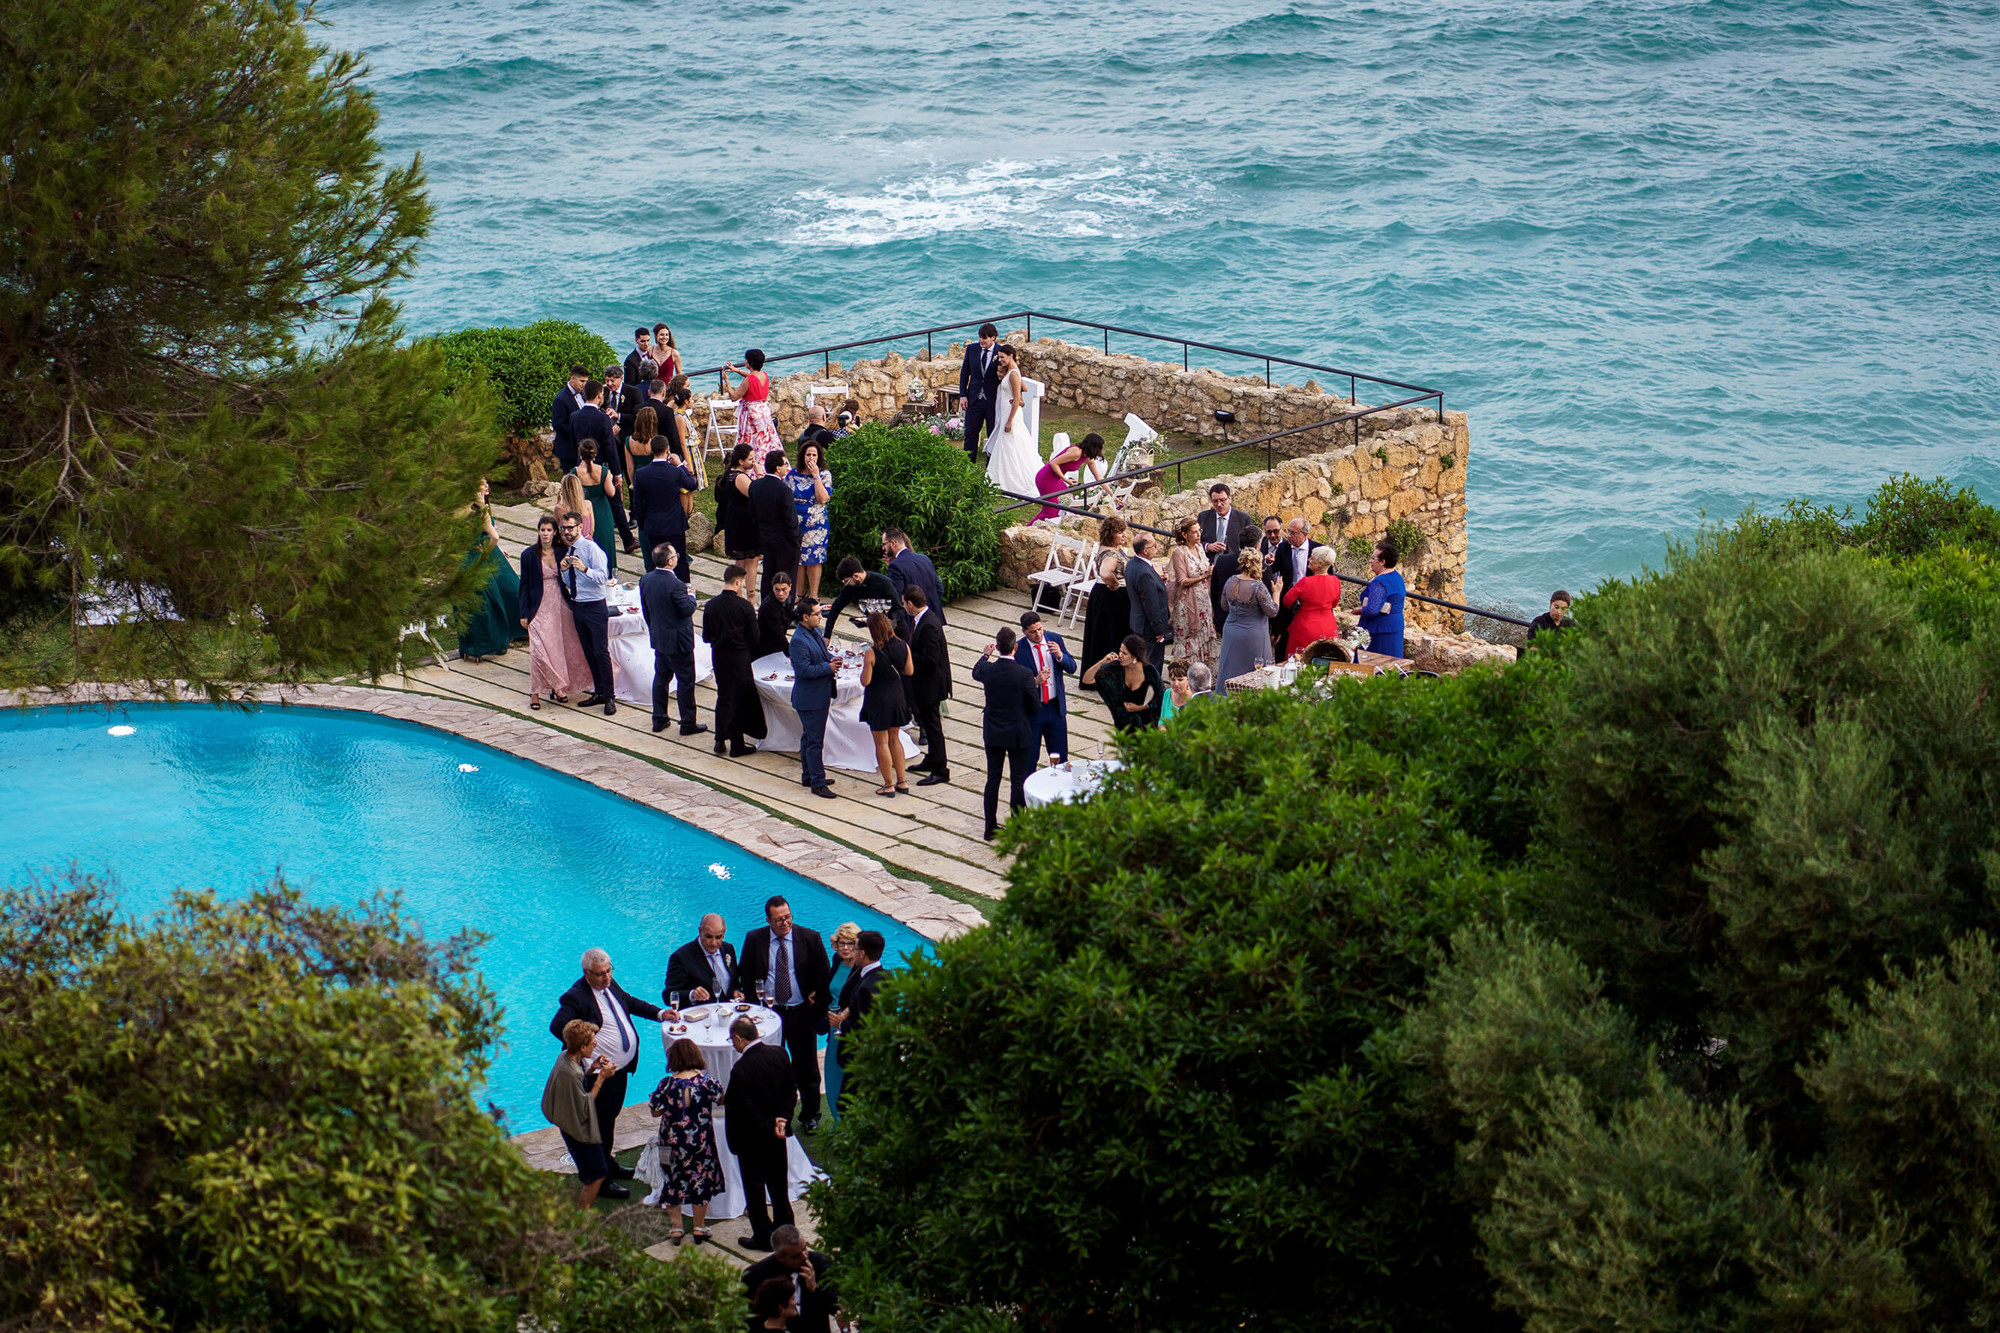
(1729, 1062)
(208, 417)
(261, 1115)
(1151, 1094)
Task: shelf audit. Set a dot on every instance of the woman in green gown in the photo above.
(491, 622)
(600, 483)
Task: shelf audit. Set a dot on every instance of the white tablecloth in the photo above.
(849, 743)
(632, 651)
(1047, 786)
(712, 1035)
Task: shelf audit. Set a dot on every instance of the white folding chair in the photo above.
(1136, 452)
(1065, 566)
(721, 435)
(1077, 592)
(418, 629)
(837, 392)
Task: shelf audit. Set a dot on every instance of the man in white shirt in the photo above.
(584, 572)
(704, 968)
(1048, 657)
(596, 998)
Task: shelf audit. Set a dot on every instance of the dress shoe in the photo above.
(693, 728)
(610, 707)
(738, 751)
(619, 1172)
(754, 1243)
(590, 701)
(718, 745)
(943, 775)
(826, 791)
(810, 1124)
(631, 548)
(990, 831)
(921, 766)
(611, 1189)
(659, 727)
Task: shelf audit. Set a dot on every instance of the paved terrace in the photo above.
(931, 834)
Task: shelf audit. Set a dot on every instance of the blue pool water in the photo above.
(344, 804)
(1674, 256)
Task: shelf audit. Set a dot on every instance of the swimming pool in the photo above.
(345, 803)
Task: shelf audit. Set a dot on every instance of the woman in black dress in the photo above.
(1107, 617)
(883, 706)
(776, 617)
(1128, 684)
(739, 525)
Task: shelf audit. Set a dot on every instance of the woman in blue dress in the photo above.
(843, 950)
(1382, 602)
(812, 484)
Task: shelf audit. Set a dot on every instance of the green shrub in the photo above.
(907, 477)
(1151, 1093)
(1408, 539)
(525, 365)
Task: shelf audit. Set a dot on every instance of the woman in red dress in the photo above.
(1313, 599)
(754, 426)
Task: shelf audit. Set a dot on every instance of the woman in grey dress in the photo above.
(1246, 633)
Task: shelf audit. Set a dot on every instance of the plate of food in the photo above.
(742, 1008)
(696, 1015)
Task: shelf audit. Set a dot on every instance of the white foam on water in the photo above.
(1049, 197)
(120, 730)
(468, 768)
(719, 870)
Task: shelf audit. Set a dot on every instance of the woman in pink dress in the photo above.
(1060, 472)
(555, 654)
(754, 426)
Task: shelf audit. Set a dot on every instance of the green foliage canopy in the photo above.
(925, 484)
(525, 366)
(207, 414)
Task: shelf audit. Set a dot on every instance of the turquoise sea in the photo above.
(1675, 258)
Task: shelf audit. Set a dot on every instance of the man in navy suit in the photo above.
(790, 962)
(657, 489)
(568, 399)
(600, 1000)
(812, 696)
(1046, 655)
(907, 568)
(668, 606)
(1009, 730)
(979, 385)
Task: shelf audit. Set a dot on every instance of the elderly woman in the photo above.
(1313, 600)
(846, 962)
(566, 1102)
(1246, 633)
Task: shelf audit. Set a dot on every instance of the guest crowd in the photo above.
(767, 1089)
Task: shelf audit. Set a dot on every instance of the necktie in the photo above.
(627, 1038)
(1042, 664)
(781, 980)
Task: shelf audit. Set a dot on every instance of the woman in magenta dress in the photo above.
(555, 654)
(754, 426)
(1060, 472)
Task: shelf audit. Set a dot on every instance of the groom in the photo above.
(978, 385)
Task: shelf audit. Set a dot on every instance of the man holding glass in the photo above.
(599, 1000)
(787, 966)
(704, 968)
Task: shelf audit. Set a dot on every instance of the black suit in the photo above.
(1232, 528)
(579, 1002)
(729, 626)
(761, 1092)
(1009, 730)
(1288, 565)
(589, 422)
(816, 1306)
(688, 968)
(979, 385)
(857, 997)
(619, 407)
(668, 607)
(914, 567)
(657, 489)
(1226, 566)
(928, 687)
(567, 400)
(777, 517)
(802, 1016)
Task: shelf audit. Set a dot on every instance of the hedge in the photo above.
(926, 485)
(526, 365)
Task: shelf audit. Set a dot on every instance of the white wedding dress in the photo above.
(1014, 459)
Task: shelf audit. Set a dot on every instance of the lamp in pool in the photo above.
(120, 730)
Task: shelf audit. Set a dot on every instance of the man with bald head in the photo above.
(600, 1000)
(704, 968)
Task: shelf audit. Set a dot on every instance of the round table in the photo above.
(711, 1033)
(849, 743)
(632, 650)
(1078, 780)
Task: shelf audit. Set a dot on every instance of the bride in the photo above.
(1015, 455)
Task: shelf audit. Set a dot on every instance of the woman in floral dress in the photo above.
(685, 1103)
(1188, 574)
(754, 425)
(812, 485)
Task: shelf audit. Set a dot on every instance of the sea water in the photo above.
(1674, 258)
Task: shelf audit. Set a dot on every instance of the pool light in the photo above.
(121, 730)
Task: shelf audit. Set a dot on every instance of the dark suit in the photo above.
(979, 385)
(590, 423)
(812, 700)
(688, 968)
(656, 506)
(761, 1092)
(620, 405)
(1232, 528)
(1288, 565)
(1151, 619)
(913, 567)
(579, 1002)
(808, 1005)
(777, 518)
(1051, 719)
(669, 610)
(633, 385)
(531, 577)
(928, 687)
(567, 400)
(1226, 566)
(729, 626)
(816, 1306)
(857, 997)
(1009, 729)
